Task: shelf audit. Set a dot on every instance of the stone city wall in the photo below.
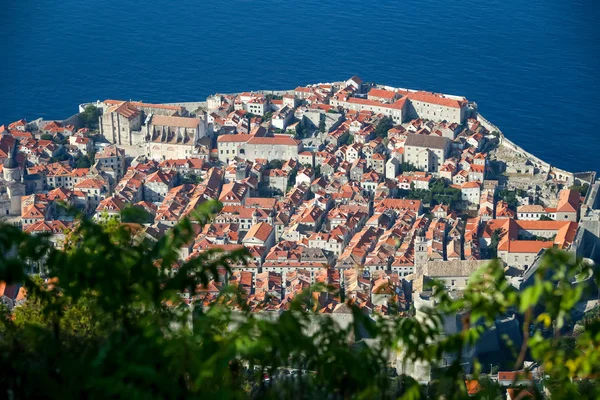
(190, 106)
(505, 142)
(541, 164)
(72, 120)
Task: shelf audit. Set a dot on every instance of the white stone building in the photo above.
(112, 157)
(173, 137)
(251, 147)
(282, 118)
(426, 152)
(119, 122)
(437, 107)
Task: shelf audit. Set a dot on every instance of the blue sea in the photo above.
(532, 66)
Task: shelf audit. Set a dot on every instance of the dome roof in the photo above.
(11, 161)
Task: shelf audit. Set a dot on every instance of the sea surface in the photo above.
(532, 66)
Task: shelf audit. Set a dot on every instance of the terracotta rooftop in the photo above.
(275, 140)
(568, 201)
(260, 231)
(179, 122)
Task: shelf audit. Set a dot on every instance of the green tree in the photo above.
(317, 171)
(110, 322)
(191, 178)
(46, 136)
(83, 162)
(408, 167)
(301, 130)
(495, 239)
(291, 179)
(61, 157)
(136, 214)
(582, 189)
(89, 116)
(510, 196)
(275, 164)
(346, 139)
(438, 193)
(273, 97)
(382, 128)
(322, 123)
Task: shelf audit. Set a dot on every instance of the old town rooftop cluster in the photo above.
(368, 188)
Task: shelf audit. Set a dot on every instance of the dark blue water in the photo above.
(532, 66)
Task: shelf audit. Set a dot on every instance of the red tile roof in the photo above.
(528, 246)
(125, 109)
(434, 98)
(260, 231)
(385, 94)
(568, 201)
(180, 122)
(275, 140)
(241, 138)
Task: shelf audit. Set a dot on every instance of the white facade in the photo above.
(427, 153)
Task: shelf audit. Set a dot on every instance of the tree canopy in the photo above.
(83, 162)
(438, 193)
(109, 320)
(89, 116)
(322, 126)
(382, 128)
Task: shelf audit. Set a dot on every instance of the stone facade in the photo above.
(119, 122)
(437, 107)
(114, 158)
(173, 137)
(250, 147)
(427, 153)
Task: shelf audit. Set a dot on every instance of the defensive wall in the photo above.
(190, 106)
(538, 162)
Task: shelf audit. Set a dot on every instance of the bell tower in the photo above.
(11, 170)
(420, 250)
